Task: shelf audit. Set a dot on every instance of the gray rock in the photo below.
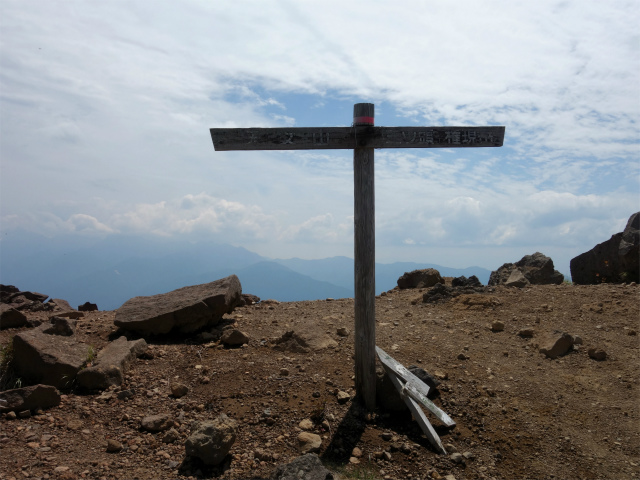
(171, 436)
(463, 281)
(497, 326)
(11, 318)
(613, 261)
(186, 310)
(457, 458)
(538, 269)
(113, 446)
(597, 354)
(60, 326)
(554, 346)
(420, 278)
(438, 293)
(60, 304)
(157, 423)
(48, 359)
(88, 307)
(179, 390)
(516, 279)
(529, 332)
(307, 467)
(234, 337)
(29, 398)
(309, 442)
(629, 249)
(210, 441)
(111, 364)
(343, 397)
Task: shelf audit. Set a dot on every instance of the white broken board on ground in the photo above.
(413, 390)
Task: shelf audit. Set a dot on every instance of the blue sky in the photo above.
(105, 110)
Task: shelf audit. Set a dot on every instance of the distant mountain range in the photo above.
(111, 270)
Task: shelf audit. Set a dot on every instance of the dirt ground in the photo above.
(519, 415)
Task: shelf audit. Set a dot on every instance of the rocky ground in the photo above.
(519, 414)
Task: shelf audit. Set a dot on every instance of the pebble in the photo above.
(343, 397)
(497, 326)
(457, 458)
(526, 332)
(306, 424)
(597, 354)
(309, 442)
(113, 446)
(179, 390)
(284, 372)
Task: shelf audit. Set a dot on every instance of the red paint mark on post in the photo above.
(363, 120)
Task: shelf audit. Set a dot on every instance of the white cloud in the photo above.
(105, 110)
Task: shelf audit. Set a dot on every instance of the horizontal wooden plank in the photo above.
(355, 137)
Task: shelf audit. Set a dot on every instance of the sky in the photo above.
(105, 110)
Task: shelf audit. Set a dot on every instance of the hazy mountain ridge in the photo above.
(111, 270)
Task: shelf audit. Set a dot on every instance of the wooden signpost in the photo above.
(363, 137)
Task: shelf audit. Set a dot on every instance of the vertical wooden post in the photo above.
(364, 253)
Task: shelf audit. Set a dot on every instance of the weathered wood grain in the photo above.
(354, 137)
(414, 387)
(364, 275)
(418, 414)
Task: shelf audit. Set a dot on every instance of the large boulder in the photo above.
(187, 309)
(29, 398)
(111, 364)
(48, 359)
(210, 441)
(425, 278)
(616, 260)
(537, 269)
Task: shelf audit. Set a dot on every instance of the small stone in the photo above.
(462, 356)
(284, 372)
(386, 436)
(61, 469)
(577, 340)
(449, 477)
(306, 424)
(24, 414)
(387, 456)
(179, 390)
(450, 448)
(354, 460)
(309, 442)
(343, 332)
(171, 436)
(597, 354)
(457, 458)
(356, 452)
(526, 332)
(469, 455)
(343, 397)
(11, 416)
(113, 446)
(497, 326)
(157, 423)
(234, 338)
